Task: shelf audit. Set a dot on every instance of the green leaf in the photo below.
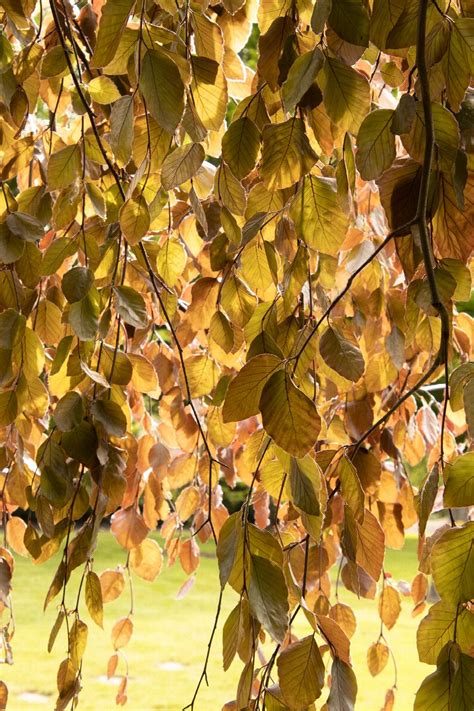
(350, 21)
(452, 564)
(69, 411)
(318, 216)
(437, 629)
(64, 167)
(301, 673)
(12, 328)
(462, 689)
(113, 22)
(385, 15)
(84, 317)
(81, 443)
(11, 246)
(286, 155)
(268, 596)
(121, 129)
(229, 549)
(240, 146)
(425, 499)
(111, 416)
(25, 226)
(8, 408)
(434, 691)
(288, 415)
(302, 74)
(404, 115)
(446, 136)
(131, 306)
(341, 355)
(304, 481)
(459, 476)
(243, 394)
(181, 164)
(375, 144)
(343, 694)
(162, 88)
(76, 283)
(319, 17)
(346, 94)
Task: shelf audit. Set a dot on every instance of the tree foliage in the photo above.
(217, 271)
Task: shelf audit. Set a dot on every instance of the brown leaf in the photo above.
(122, 632)
(128, 527)
(146, 559)
(389, 606)
(112, 583)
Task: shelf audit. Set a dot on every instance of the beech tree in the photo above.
(215, 271)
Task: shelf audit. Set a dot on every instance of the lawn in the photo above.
(167, 650)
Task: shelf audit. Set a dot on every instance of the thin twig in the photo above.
(203, 676)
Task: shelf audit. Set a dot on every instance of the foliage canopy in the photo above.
(218, 271)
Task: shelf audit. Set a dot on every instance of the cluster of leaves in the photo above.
(213, 273)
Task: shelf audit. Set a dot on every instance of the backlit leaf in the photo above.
(93, 595)
(135, 219)
(346, 94)
(341, 355)
(146, 559)
(113, 21)
(240, 146)
(377, 657)
(459, 488)
(181, 165)
(288, 415)
(301, 672)
(452, 564)
(375, 144)
(286, 154)
(163, 89)
(318, 216)
(268, 596)
(243, 394)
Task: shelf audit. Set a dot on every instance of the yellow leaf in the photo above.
(181, 164)
(64, 167)
(389, 606)
(288, 415)
(243, 395)
(103, 90)
(135, 219)
(377, 657)
(286, 154)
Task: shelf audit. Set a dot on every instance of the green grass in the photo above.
(170, 630)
